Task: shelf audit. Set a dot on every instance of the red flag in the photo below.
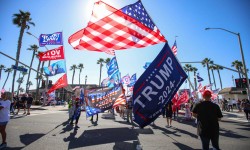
(62, 82)
(54, 54)
(183, 98)
(109, 28)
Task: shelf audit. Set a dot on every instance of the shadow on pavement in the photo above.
(101, 136)
(27, 139)
(165, 131)
(108, 116)
(37, 108)
(125, 145)
(231, 134)
(182, 146)
(187, 133)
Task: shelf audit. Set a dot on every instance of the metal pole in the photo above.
(244, 65)
(242, 56)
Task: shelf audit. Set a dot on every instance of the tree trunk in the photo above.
(37, 74)
(30, 71)
(214, 79)
(195, 83)
(73, 76)
(19, 45)
(6, 80)
(208, 74)
(220, 79)
(100, 74)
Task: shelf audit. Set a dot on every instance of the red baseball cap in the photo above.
(77, 99)
(207, 93)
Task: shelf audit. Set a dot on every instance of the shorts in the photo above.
(3, 123)
(28, 105)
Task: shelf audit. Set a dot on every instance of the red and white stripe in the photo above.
(111, 29)
(121, 100)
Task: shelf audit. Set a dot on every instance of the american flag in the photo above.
(174, 48)
(109, 28)
(121, 100)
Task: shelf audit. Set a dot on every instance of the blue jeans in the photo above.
(205, 142)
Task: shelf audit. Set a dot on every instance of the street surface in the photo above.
(47, 128)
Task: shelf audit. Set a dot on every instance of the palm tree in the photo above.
(73, 67)
(212, 68)
(187, 68)
(38, 78)
(8, 70)
(22, 20)
(80, 67)
(205, 62)
(238, 65)
(41, 70)
(218, 68)
(20, 81)
(37, 74)
(21, 89)
(33, 48)
(100, 61)
(28, 86)
(194, 69)
(2, 67)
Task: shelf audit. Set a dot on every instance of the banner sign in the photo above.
(19, 68)
(55, 68)
(157, 86)
(53, 54)
(51, 39)
(103, 99)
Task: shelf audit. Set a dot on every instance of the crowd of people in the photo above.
(194, 109)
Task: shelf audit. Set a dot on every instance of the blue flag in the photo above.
(157, 86)
(146, 65)
(199, 79)
(55, 68)
(132, 80)
(112, 66)
(90, 111)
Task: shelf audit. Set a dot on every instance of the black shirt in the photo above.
(208, 114)
(23, 99)
(29, 100)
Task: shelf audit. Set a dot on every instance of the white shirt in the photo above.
(5, 111)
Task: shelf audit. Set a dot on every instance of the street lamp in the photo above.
(86, 77)
(242, 55)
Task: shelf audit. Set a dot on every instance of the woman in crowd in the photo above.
(4, 116)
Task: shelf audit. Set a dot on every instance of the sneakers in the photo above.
(24, 113)
(3, 145)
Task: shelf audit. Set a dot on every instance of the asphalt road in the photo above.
(48, 129)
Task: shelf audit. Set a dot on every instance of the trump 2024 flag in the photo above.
(157, 86)
(113, 29)
(62, 82)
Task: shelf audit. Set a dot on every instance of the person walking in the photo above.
(246, 108)
(29, 103)
(169, 113)
(22, 104)
(208, 114)
(76, 115)
(4, 116)
(130, 111)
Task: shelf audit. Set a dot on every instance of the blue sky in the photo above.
(182, 18)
